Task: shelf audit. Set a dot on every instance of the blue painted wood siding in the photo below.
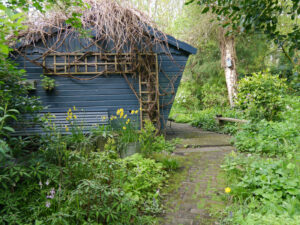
(105, 93)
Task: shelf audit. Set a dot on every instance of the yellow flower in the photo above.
(118, 111)
(121, 114)
(124, 128)
(125, 116)
(75, 117)
(128, 121)
(122, 110)
(112, 118)
(74, 108)
(227, 190)
(103, 118)
(67, 128)
(71, 115)
(68, 118)
(132, 112)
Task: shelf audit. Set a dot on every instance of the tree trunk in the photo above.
(150, 10)
(228, 62)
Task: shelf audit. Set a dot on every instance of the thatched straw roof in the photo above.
(107, 19)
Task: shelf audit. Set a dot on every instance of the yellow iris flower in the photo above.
(75, 117)
(67, 128)
(124, 128)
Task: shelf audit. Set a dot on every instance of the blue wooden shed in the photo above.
(97, 79)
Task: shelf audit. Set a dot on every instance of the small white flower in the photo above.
(52, 192)
(47, 182)
(48, 204)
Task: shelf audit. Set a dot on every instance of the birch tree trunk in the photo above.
(228, 62)
(150, 10)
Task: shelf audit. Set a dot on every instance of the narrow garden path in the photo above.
(193, 196)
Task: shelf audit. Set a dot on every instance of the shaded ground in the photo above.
(193, 196)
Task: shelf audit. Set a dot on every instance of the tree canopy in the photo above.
(264, 16)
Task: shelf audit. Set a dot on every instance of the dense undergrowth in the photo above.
(71, 179)
(263, 175)
(70, 176)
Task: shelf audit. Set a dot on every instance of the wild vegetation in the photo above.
(263, 174)
(70, 177)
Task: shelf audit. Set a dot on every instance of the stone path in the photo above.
(194, 196)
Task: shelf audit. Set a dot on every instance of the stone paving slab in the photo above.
(197, 192)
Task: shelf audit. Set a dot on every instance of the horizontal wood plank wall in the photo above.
(105, 93)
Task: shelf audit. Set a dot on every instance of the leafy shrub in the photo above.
(266, 179)
(12, 91)
(145, 178)
(69, 181)
(169, 162)
(47, 83)
(214, 95)
(239, 218)
(260, 96)
(269, 219)
(150, 142)
(272, 138)
(266, 190)
(205, 119)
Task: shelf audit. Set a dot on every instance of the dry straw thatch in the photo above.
(109, 20)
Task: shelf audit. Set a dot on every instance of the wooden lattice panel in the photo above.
(149, 92)
(88, 63)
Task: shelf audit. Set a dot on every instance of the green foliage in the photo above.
(75, 186)
(264, 16)
(266, 190)
(272, 138)
(260, 96)
(11, 23)
(151, 143)
(48, 83)
(69, 180)
(12, 91)
(169, 163)
(145, 179)
(263, 179)
(6, 114)
(267, 219)
(205, 119)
